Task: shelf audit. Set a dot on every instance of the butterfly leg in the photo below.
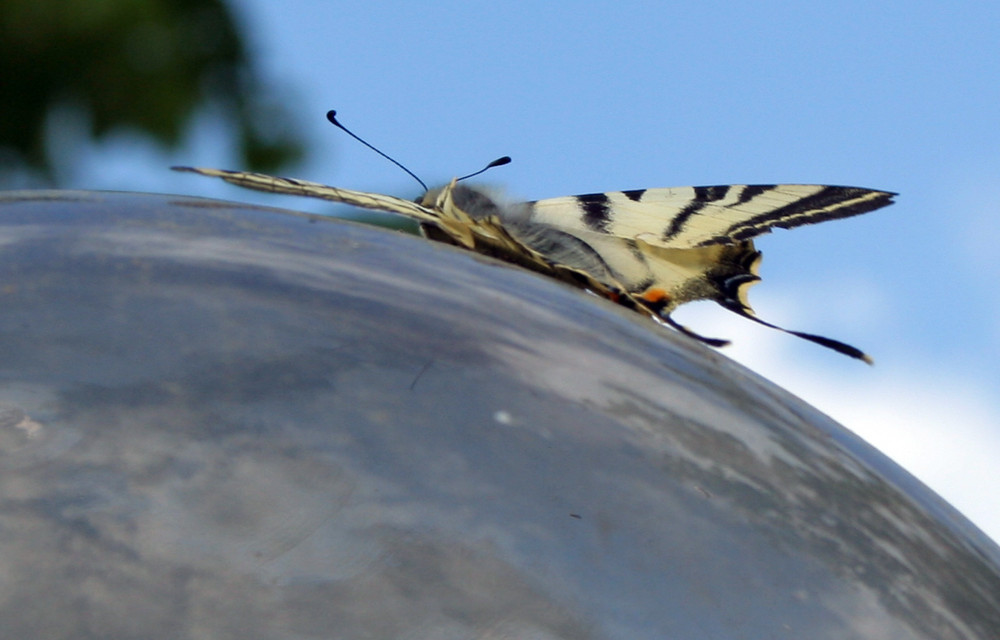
(713, 342)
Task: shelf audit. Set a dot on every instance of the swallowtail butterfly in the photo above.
(650, 250)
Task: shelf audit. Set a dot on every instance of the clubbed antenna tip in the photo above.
(499, 162)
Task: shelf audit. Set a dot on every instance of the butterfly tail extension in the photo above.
(296, 187)
(829, 343)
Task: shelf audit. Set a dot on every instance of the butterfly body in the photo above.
(650, 249)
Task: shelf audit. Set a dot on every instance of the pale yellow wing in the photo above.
(690, 217)
(296, 187)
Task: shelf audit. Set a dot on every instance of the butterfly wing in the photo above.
(675, 245)
(690, 217)
(658, 278)
(295, 187)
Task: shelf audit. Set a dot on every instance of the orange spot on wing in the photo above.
(655, 296)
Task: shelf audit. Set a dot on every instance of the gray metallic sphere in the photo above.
(222, 421)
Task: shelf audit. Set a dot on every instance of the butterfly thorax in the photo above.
(467, 216)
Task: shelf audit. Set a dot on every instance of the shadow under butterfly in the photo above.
(650, 250)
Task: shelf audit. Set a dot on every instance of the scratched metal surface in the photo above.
(220, 421)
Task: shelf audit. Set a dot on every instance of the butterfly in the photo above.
(650, 250)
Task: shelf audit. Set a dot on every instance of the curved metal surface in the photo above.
(221, 421)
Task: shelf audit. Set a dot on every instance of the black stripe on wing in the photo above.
(829, 203)
(596, 211)
(702, 197)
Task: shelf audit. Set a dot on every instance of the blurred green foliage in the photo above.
(147, 65)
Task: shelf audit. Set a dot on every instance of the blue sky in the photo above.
(594, 96)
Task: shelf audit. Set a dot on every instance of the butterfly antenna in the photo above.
(331, 115)
(499, 162)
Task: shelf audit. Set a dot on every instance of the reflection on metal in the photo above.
(225, 421)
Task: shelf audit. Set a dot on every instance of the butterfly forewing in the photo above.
(296, 187)
(689, 217)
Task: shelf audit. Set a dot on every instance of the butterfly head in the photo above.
(458, 201)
